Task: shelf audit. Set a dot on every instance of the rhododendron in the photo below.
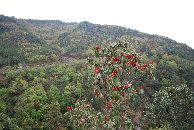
(97, 48)
(115, 71)
(127, 85)
(97, 70)
(132, 63)
(96, 93)
(112, 62)
(128, 56)
(70, 108)
(116, 88)
(145, 66)
(138, 66)
(141, 87)
(151, 62)
(109, 105)
(116, 59)
(114, 74)
(106, 119)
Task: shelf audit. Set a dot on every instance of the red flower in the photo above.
(141, 87)
(128, 56)
(112, 62)
(151, 62)
(114, 74)
(97, 48)
(97, 70)
(132, 63)
(96, 93)
(138, 66)
(127, 85)
(116, 88)
(106, 119)
(70, 108)
(115, 71)
(145, 66)
(116, 59)
(109, 105)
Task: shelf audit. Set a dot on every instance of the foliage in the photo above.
(163, 127)
(172, 105)
(35, 97)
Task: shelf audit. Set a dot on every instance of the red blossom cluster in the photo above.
(144, 66)
(116, 59)
(97, 48)
(109, 105)
(151, 62)
(115, 73)
(116, 88)
(97, 70)
(132, 63)
(96, 93)
(128, 56)
(69, 108)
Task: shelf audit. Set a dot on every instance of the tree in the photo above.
(116, 82)
(31, 108)
(54, 94)
(54, 117)
(174, 106)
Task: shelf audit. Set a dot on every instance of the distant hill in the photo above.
(32, 41)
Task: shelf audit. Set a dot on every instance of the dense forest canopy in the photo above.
(44, 76)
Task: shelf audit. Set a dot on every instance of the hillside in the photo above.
(40, 59)
(30, 41)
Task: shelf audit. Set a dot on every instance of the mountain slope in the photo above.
(43, 73)
(29, 41)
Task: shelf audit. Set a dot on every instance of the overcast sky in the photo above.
(171, 18)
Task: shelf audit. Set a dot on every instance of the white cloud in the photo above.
(171, 18)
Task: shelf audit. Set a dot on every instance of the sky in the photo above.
(170, 18)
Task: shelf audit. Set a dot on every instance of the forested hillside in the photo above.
(44, 75)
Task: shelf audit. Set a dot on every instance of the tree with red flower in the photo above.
(118, 78)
